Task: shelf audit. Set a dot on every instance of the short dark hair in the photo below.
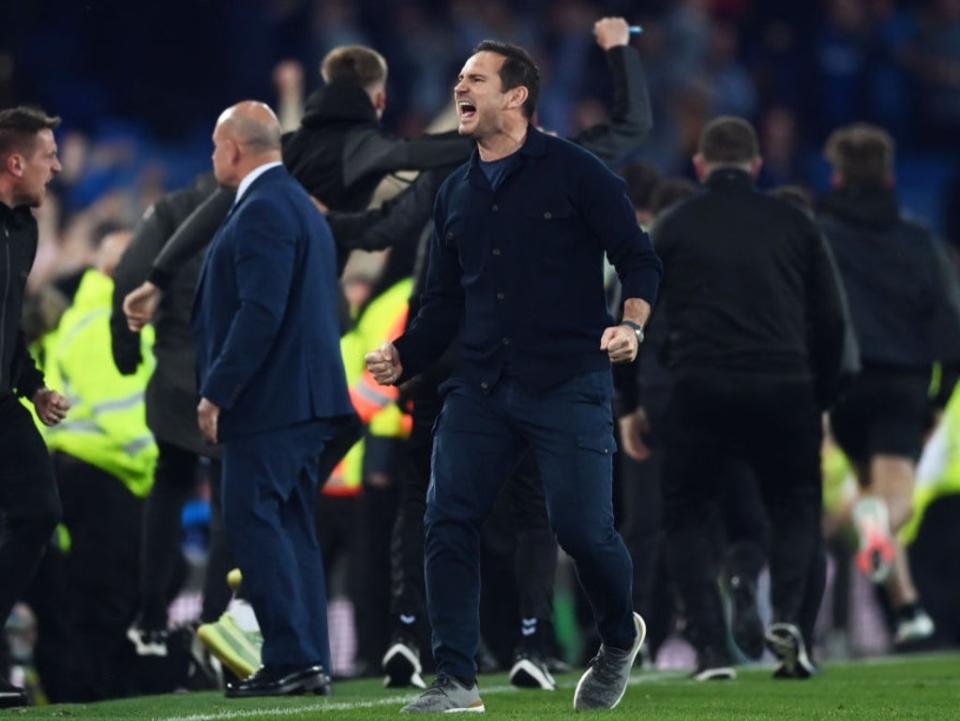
(862, 153)
(518, 69)
(728, 139)
(19, 127)
(355, 65)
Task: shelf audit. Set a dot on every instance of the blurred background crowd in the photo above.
(139, 85)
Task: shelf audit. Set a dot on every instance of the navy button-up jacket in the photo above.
(519, 270)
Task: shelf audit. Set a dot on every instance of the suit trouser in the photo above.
(29, 502)
(269, 491)
(479, 440)
(773, 425)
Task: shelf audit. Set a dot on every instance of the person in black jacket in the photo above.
(905, 307)
(339, 154)
(171, 400)
(755, 348)
(29, 502)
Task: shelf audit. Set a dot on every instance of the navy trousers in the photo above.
(270, 483)
(479, 440)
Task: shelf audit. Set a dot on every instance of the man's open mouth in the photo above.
(466, 109)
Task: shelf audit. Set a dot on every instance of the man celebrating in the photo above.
(272, 388)
(29, 502)
(516, 264)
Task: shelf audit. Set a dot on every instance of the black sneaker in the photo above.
(401, 664)
(786, 643)
(529, 670)
(12, 696)
(745, 620)
(147, 641)
(713, 665)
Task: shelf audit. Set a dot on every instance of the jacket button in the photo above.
(506, 341)
(484, 385)
(501, 296)
(449, 235)
(495, 208)
(496, 251)
(547, 215)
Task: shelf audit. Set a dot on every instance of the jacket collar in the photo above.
(252, 177)
(17, 217)
(729, 178)
(868, 206)
(338, 102)
(534, 146)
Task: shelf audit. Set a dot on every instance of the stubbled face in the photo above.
(224, 157)
(38, 170)
(479, 95)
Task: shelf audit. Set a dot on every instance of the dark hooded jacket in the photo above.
(902, 289)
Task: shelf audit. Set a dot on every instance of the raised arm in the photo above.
(631, 119)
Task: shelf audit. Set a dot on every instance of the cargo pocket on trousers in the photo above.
(601, 442)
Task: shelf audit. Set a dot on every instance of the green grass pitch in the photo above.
(898, 689)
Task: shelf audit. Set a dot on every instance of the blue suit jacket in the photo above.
(264, 316)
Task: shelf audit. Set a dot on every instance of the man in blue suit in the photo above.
(272, 390)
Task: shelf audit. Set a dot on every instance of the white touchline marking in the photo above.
(323, 707)
(637, 679)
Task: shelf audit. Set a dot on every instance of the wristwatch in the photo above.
(636, 327)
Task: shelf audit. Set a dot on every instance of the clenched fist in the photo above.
(384, 363)
(620, 343)
(140, 304)
(611, 32)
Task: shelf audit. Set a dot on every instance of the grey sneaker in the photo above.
(605, 681)
(447, 695)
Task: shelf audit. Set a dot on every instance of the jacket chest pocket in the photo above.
(551, 225)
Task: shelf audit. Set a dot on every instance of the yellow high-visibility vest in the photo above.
(106, 426)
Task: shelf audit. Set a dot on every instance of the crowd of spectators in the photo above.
(137, 89)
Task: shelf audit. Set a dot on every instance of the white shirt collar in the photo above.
(253, 175)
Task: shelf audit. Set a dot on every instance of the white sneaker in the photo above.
(914, 628)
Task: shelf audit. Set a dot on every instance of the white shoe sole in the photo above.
(641, 635)
(721, 673)
(526, 674)
(470, 709)
(145, 649)
(403, 668)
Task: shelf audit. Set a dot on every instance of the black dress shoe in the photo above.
(282, 681)
(11, 696)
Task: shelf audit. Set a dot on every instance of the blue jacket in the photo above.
(264, 316)
(518, 270)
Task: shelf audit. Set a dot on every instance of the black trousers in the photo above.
(175, 480)
(773, 426)
(29, 502)
(86, 597)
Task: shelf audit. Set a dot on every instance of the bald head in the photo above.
(247, 135)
